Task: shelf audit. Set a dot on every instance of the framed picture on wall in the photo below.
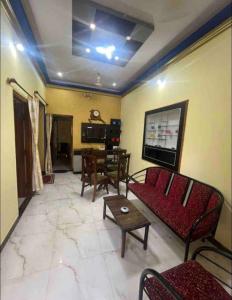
(163, 135)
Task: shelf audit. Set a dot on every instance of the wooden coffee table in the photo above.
(127, 222)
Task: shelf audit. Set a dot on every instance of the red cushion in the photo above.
(208, 223)
(162, 181)
(145, 192)
(152, 175)
(191, 281)
(178, 188)
(179, 219)
(198, 199)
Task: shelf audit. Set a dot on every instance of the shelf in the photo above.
(171, 125)
(156, 139)
(168, 134)
(160, 148)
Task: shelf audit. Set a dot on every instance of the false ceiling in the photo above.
(107, 44)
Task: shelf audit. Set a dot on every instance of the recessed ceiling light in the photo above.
(20, 47)
(114, 84)
(92, 26)
(87, 50)
(116, 58)
(128, 38)
(59, 74)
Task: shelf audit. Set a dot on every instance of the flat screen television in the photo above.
(93, 133)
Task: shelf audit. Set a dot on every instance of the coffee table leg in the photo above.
(104, 210)
(123, 243)
(146, 237)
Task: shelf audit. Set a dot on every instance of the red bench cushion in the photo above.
(162, 181)
(191, 281)
(210, 220)
(178, 188)
(198, 199)
(145, 192)
(152, 175)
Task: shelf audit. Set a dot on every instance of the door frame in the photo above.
(71, 121)
(18, 97)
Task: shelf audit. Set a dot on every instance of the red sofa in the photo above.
(189, 207)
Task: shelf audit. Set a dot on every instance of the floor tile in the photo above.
(63, 249)
(26, 288)
(26, 254)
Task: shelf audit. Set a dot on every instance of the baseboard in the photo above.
(75, 172)
(24, 205)
(21, 210)
(217, 244)
(9, 233)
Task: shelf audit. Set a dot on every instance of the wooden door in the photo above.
(23, 145)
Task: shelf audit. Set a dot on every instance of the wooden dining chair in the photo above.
(101, 156)
(122, 172)
(113, 165)
(91, 176)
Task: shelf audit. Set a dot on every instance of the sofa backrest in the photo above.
(163, 180)
(196, 196)
(152, 175)
(198, 199)
(178, 188)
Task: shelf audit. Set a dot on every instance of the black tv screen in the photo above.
(93, 133)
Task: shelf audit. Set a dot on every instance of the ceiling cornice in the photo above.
(210, 29)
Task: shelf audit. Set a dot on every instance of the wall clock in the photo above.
(95, 116)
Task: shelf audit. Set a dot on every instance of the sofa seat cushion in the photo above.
(190, 280)
(175, 215)
(145, 192)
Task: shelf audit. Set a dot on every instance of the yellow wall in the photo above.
(203, 77)
(13, 64)
(69, 102)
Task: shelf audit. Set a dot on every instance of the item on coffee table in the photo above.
(124, 209)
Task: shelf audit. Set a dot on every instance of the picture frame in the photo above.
(163, 135)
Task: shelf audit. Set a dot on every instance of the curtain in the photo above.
(37, 180)
(48, 158)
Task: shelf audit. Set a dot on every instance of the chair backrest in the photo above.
(89, 164)
(123, 166)
(117, 152)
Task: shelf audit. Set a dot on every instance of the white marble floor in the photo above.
(63, 249)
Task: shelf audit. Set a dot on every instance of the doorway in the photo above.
(61, 143)
(23, 147)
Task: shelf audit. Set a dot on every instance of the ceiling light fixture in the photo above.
(20, 47)
(87, 50)
(161, 83)
(128, 38)
(107, 51)
(98, 82)
(114, 84)
(116, 58)
(59, 74)
(92, 26)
